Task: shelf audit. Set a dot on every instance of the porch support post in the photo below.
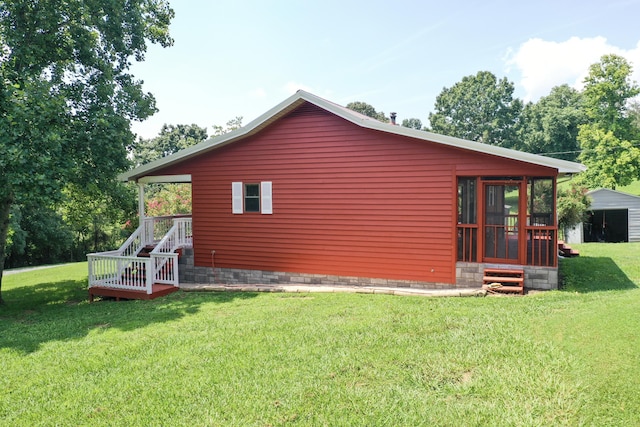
(141, 213)
(141, 202)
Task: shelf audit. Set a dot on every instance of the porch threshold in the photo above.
(157, 292)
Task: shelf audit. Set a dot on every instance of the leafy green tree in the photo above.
(610, 141)
(170, 199)
(170, 140)
(550, 126)
(611, 161)
(412, 123)
(478, 108)
(96, 219)
(233, 124)
(67, 97)
(571, 206)
(368, 110)
(607, 94)
(47, 238)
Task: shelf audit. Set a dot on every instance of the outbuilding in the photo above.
(613, 216)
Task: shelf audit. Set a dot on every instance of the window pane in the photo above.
(252, 197)
(252, 204)
(252, 190)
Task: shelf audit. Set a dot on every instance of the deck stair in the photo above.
(145, 252)
(146, 264)
(137, 271)
(566, 250)
(503, 280)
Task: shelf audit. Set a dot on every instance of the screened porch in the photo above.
(507, 220)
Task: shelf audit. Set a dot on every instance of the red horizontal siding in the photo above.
(346, 201)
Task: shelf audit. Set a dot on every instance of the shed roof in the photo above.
(300, 97)
(605, 198)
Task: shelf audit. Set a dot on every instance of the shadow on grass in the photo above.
(593, 274)
(58, 311)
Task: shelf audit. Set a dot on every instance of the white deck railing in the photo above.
(123, 269)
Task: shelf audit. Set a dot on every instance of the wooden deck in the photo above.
(157, 291)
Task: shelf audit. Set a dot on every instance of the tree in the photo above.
(610, 141)
(170, 140)
(607, 94)
(367, 110)
(551, 125)
(67, 96)
(572, 205)
(634, 114)
(233, 124)
(412, 123)
(478, 108)
(610, 161)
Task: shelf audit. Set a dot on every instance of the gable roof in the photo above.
(300, 97)
(605, 198)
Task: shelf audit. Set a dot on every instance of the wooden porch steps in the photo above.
(145, 252)
(566, 250)
(503, 280)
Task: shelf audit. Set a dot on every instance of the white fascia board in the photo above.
(173, 179)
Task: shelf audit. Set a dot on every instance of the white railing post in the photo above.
(149, 276)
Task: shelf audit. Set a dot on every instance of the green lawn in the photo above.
(633, 188)
(570, 357)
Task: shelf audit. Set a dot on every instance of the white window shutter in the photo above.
(236, 196)
(266, 199)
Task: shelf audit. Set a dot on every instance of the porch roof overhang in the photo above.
(563, 167)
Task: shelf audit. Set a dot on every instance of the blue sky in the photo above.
(240, 58)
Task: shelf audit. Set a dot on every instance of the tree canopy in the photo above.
(478, 108)
(550, 126)
(172, 138)
(412, 123)
(68, 97)
(610, 141)
(367, 110)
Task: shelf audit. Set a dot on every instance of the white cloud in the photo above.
(545, 64)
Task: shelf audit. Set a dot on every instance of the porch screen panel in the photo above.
(541, 222)
(501, 226)
(467, 241)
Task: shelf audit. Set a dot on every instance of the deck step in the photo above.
(566, 250)
(503, 280)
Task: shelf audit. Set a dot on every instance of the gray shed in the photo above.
(613, 216)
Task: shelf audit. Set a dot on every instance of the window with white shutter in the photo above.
(252, 197)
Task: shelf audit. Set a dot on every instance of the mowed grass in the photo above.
(569, 357)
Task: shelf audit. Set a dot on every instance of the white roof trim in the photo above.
(289, 104)
(164, 179)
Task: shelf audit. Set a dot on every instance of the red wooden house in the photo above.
(311, 192)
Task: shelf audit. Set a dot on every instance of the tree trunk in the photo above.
(6, 200)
